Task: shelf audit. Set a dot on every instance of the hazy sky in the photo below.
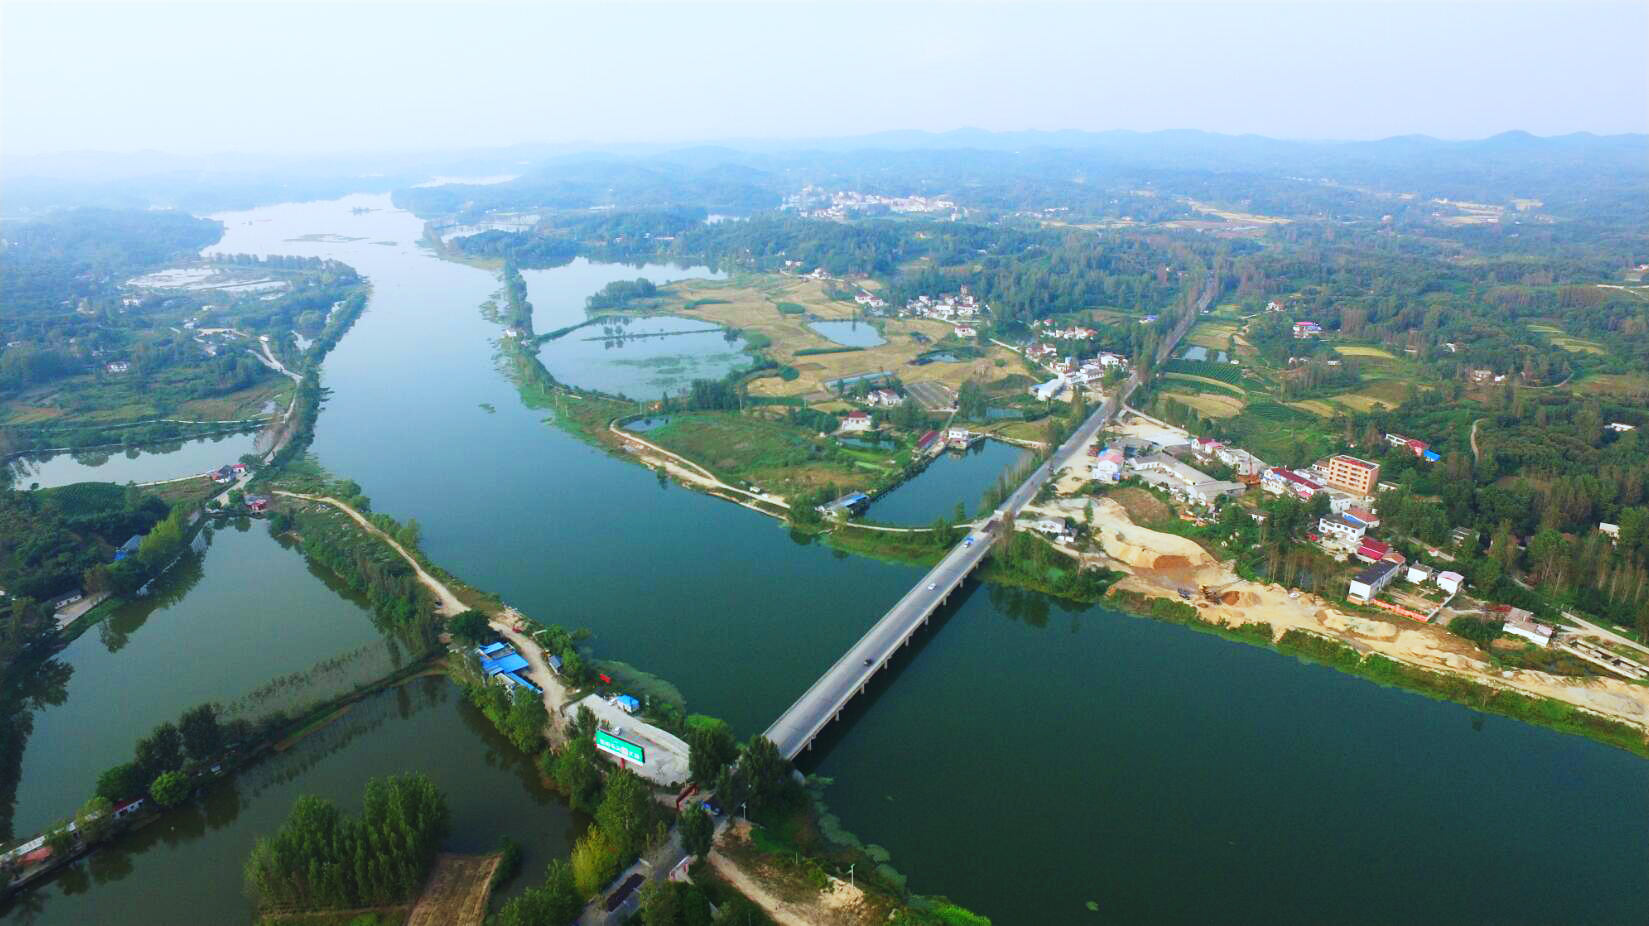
(300, 78)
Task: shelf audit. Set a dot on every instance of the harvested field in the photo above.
(1209, 406)
(1363, 350)
(457, 891)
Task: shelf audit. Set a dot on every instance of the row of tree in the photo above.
(324, 859)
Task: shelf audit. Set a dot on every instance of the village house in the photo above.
(856, 421)
(1108, 465)
(1049, 390)
(117, 367)
(1183, 482)
(1620, 427)
(1521, 623)
(1449, 581)
(966, 331)
(1419, 573)
(1278, 480)
(1339, 530)
(1368, 583)
(886, 398)
(1307, 329)
(1370, 550)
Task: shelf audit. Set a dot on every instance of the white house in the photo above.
(1449, 581)
(1621, 427)
(856, 421)
(1340, 530)
(966, 331)
(1419, 572)
(1366, 584)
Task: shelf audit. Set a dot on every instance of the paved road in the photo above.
(824, 700)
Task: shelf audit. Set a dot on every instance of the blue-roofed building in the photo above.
(1430, 456)
(513, 679)
(627, 704)
(492, 649)
(507, 662)
(555, 663)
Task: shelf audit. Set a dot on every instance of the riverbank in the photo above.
(1159, 567)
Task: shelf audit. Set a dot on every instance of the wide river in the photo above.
(1037, 762)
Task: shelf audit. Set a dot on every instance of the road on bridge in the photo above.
(823, 701)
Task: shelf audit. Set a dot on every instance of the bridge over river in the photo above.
(823, 702)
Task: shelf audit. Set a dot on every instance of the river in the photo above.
(1026, 758)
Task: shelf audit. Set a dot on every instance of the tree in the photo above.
(170, 789)
(160, 751)
(594, 862)
(672, 903)
(121, 782)
(711, 746)
(626, 812)
(526, 720)
(769, 772)
(698, 831)
(94, 819)
(577, 772)
(470, 627)
(201, 733)
(554, 902)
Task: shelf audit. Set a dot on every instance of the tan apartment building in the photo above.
(1350, 474)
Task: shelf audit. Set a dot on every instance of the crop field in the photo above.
(1572, 344)
(1205, 381)
(752, 304)
(1207, 405)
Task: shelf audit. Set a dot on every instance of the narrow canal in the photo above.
(1027, 758)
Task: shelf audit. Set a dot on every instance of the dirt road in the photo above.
(842, 905)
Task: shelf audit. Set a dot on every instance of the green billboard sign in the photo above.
(624, 749)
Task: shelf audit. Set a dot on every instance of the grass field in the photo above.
(1318, 407)
(1614, 384)
(1142, 506)
(1209, 406)
(1387, 392)
(1212, 335)
(1363, 350)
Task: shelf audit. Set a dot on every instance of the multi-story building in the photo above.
(1356, 476)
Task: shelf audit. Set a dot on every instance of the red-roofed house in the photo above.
(1372, 551)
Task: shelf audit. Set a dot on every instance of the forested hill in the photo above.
(49, 265)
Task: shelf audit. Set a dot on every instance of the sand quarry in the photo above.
(1160, 565)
